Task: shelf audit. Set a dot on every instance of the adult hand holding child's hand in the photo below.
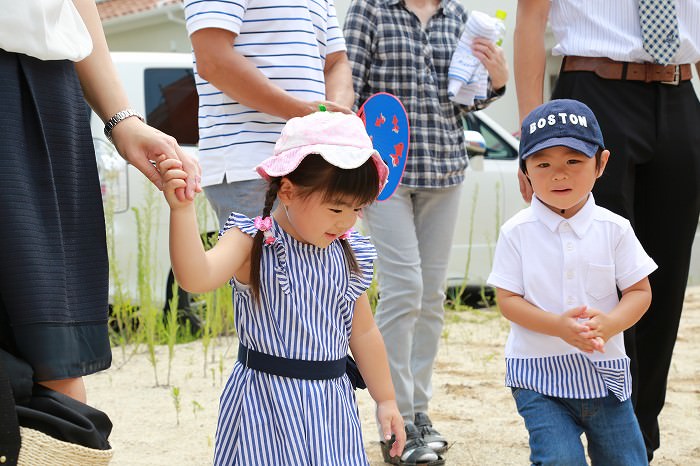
(140, 143)
(174, 180)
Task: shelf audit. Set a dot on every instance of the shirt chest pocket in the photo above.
(600, 281)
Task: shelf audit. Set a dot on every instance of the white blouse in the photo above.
(45, 29)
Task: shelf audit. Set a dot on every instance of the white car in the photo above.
(161, 86)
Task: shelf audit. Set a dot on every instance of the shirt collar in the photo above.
(447, 7)
(579, 223)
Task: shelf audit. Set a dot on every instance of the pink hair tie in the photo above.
(264, 225)
(346, 235)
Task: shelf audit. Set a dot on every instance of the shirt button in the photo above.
(570, 300)
(570, 274)
(569, 246)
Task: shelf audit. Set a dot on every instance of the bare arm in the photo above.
(97, 72)
(529, 64)
(368, 349)
(195, 269)
(529, 53)
(137, 142)
(219, 63)
(339, 79)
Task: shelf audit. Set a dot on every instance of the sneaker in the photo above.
(415, 452)
(430, 436)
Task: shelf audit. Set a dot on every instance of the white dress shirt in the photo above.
(610, 28)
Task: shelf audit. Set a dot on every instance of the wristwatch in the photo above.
(118, 117)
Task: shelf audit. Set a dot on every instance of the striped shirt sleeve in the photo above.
(335, 42)
(202, 14)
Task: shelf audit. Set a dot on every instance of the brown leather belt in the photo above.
(611, 69)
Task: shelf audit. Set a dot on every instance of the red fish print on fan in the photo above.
(398, 152)
(380, 120)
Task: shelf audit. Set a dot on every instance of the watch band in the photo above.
(118, 117)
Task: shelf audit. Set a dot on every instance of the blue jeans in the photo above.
(556, 424)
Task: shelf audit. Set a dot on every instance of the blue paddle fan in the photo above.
(387, 124)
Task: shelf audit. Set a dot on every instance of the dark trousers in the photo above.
(653, 179)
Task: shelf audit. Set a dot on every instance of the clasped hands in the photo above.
(586, 328)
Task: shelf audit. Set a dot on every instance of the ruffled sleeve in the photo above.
(247, 226)
(365, 253)
(241, 222)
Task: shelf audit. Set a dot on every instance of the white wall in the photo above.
(163, 36)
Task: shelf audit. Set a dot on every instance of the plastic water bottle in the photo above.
(500, 14)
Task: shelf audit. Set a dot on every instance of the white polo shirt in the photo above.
(288, 41)
(558, 264)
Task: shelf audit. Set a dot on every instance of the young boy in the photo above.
(557, 270)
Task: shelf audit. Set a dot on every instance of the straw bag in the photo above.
(43, 427)
(39, 449)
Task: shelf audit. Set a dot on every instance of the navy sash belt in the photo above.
(294, 368)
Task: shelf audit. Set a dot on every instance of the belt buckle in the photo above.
(676, 77)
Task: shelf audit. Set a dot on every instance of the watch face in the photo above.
(387, 124)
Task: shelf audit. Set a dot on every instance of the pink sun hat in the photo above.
(340, 138)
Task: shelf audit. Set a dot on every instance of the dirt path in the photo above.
(470, 405)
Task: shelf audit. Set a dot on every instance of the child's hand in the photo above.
(575, 333)
(391, 421)
(600, 327)
(174, 178)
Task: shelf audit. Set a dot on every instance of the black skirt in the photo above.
(53, 254)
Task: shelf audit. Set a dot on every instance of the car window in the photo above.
(496, 146)
(171, 102)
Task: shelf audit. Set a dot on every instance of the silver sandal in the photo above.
(432, 437)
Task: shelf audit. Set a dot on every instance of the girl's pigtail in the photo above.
(350, 257)
(258, 239)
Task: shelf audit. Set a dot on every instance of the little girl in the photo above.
(299, 278)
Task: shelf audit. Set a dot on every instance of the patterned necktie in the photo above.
(659, 29)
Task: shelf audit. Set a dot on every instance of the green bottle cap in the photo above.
(500, 14)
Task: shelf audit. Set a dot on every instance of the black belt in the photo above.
(294, 368)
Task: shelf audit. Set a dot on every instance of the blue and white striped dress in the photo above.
(308, 297)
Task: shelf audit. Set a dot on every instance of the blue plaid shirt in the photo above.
(389, 51)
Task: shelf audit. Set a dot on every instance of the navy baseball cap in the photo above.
(560, 122)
